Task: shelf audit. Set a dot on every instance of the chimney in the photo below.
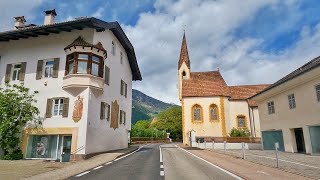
(49, 17)
(19, 21)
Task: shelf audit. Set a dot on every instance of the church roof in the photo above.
(184, 56)
(208, 84)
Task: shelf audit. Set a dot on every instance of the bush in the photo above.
(243, 132)
(16, 155)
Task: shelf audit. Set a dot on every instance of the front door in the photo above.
(66, 148)
(300, 140)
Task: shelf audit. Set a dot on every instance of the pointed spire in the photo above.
(184, 56)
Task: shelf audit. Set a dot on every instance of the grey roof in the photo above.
(301, 70)
(79, 24)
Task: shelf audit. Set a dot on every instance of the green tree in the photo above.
(170, 120)
(16, 109)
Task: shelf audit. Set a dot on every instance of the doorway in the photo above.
(66, 148)
(298, 132)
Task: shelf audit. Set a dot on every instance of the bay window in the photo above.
(84, 63)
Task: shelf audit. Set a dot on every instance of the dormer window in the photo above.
(84, 63)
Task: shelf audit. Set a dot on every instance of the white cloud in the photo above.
(13, 8)
(157, 39)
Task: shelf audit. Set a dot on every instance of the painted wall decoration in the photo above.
(77, 109)
(114, 115)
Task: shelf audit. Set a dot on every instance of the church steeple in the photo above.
(184, 56)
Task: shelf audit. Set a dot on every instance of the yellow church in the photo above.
(211, 108)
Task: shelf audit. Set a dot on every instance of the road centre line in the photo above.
(161, 163)
(161, 160)
(227, 172)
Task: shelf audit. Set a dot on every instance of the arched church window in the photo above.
(214, 114)
(241, 121)
(197, 113)
(184, 75)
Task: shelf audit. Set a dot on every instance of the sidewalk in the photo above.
(39, 169)
(244, 169)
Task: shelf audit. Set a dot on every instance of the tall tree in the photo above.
(16, 109)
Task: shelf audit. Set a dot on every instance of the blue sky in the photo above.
(250, 41)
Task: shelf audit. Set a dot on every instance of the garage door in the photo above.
(269, 138)
(314, 137)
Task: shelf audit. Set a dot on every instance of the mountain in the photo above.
(145, 107)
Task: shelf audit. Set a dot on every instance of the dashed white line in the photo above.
(108, 163)
(97, 167)
(161, 166)
(160, 155)
(161, 173)
(86, 172)
(227, 172)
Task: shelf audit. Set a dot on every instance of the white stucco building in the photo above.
(211, 108)
(83, 70)
(290, 111)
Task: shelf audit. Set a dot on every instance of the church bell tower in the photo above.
(183, 65)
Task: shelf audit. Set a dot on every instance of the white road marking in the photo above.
(161, 173)
(129, 153)
(160, 155)
(262, 172)
(97, 167)
(108, 163)
(161, 166)
(86, 172)
(231, 174)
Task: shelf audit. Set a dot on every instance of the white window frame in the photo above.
(18, 71)
(49, 66)
(271, 107)
(60, 107)
(292, 101)
(317, 92)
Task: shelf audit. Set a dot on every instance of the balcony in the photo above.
(73, 82)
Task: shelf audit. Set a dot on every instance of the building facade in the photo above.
(211, 108)
(83, 71)
(290, 111)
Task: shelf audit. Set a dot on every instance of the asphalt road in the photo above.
(145, 164)
(142, 165)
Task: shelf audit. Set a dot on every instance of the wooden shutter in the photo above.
(8, 72)
(109, 112)
(56, 67)
(121, 116)
(39, 69)
(102, 110)
(124, 118)
(65, 107)
(126, 89)
(106, 75)
(121, 88)
(23, 71)
(49, 108)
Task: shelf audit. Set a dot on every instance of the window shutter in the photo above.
(8, 72)
(121, 116)
(49, 108)
(121, 88)
(109, 112)
(107, 75)
(56, 67)
(23, 71)
(102, 110)
(65, 107)
(126, 89)
(39, 69)
(124, 118)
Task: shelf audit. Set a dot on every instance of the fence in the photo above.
(302, 164)
(143, 140)
(229, 139)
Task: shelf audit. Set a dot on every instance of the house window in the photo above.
(271, 107)
(292, 101)
(318, 92)
(57, 107)
(121, 58)
(48, 68)
(197, 113)
(123, 89)
(16, 72)
(184, 76)
(213, 112)
(241, 121)
(84, 63)
(113, 50)
(122, 117)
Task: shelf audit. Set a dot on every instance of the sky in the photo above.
(249, 41)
